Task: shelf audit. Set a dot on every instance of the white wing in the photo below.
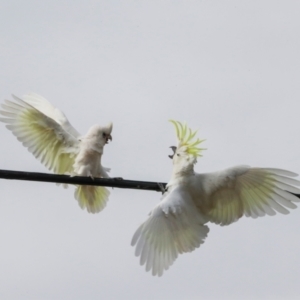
(173, 227)
(43, 130)
(254, 192)
(45, 107)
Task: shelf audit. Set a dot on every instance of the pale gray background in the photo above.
(229, 68)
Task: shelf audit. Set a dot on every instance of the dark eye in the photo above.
(178, 154)
(104, 134)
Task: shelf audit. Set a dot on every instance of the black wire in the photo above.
(79, 180)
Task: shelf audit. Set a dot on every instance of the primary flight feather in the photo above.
(177, 224)
(48, 135)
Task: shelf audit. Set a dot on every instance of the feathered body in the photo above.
(88, 159)
(48, 135)
(177, 224)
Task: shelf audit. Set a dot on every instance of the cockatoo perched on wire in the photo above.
(48, 135)
(177, 224)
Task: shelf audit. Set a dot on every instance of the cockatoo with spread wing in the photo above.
(177, 223)
(48, 135)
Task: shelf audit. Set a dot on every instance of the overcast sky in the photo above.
(229, 68)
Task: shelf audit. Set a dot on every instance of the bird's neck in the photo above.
(92, 143)
(180, 174)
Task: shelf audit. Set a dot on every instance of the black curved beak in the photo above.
(174, 150)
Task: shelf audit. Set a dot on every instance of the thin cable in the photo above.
(79, 180)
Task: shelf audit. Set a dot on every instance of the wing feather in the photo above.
(258, 197)
(40, 133)
(174, 226)
(44, 106)
(253, 192)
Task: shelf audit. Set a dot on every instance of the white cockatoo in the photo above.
(177, 223)
(48, 135)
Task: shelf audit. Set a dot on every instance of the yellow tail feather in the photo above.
(93, 198)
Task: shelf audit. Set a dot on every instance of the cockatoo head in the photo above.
(100, 133)
(187, 150)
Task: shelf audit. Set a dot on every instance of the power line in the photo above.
(79, 180)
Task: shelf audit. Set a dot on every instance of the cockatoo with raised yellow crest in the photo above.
(177, 223)
(48, 135)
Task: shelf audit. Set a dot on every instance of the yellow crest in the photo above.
(186, 138)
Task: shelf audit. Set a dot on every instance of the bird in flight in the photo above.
(46, 132)
(178, 223)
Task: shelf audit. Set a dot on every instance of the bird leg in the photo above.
(162, 188)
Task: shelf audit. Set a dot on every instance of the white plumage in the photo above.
(48, 135)
(177, 224)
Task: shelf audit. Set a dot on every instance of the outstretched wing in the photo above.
(254, 192)
(173, 227)
(45, 107)
(38, 127)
